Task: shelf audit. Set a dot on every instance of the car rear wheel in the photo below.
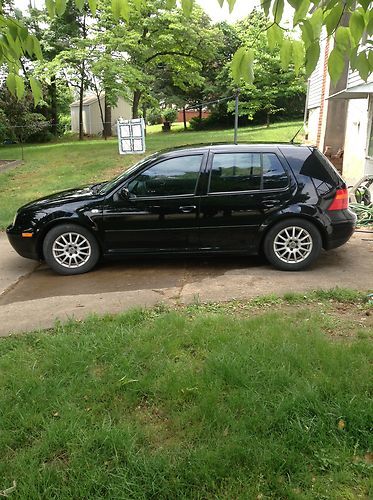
(293, 244)
(70, 249)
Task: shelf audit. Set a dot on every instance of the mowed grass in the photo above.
(222, 401)
(53, 167)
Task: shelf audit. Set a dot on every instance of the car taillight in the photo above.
(340, 201)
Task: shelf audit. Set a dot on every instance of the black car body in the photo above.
(222, 199)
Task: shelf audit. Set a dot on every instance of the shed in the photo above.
(92, 123)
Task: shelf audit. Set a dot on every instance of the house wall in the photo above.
(123, 109)
(92, 123)
(355, 163)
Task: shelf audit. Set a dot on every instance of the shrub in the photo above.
(169, 115)
(155, 116)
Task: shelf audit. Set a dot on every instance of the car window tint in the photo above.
(235, 172)
(175, 176)
(274, 175)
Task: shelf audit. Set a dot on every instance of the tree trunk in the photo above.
(107, 124)
(200, 113)
(268, 120)
(53, 104)
(184, 118)
(136, 103)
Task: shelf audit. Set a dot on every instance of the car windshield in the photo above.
(124, 175)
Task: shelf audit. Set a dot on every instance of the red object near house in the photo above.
(191, 114)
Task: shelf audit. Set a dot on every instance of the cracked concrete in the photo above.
(33, 297)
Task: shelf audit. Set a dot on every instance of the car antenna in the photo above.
(293, 139)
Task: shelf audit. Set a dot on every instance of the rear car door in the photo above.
(244, 187)
(156, 210)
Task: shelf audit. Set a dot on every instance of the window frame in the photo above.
(247, 191)
(203, 155)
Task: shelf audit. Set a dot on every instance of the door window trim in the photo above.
(247, 191)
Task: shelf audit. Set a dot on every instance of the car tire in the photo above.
(70, 249)
(293, 244)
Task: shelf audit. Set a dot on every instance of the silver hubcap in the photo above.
(293, 245)
(71, 250)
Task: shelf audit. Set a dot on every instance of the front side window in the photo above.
(232, 172)
(176, 176)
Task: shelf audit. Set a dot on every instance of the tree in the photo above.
(134, 54)
(276, 85)
(354, 40)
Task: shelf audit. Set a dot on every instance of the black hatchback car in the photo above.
(285, 200)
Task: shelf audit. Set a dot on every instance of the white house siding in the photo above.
(359, 118)
(319, 84)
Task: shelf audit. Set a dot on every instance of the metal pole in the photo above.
(236, 118)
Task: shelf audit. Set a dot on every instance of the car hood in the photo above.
(84, 193)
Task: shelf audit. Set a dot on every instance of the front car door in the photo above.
(157, 209)
(243, 187)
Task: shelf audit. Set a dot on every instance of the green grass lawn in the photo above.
(58, 166)
(266, 400)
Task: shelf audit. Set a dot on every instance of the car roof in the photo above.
(226, 147)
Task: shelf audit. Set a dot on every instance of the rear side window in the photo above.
(233, 172)
(274, 175)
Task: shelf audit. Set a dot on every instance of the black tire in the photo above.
(87, 251)
(302, 247)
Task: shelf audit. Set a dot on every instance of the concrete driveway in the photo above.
(32, 296)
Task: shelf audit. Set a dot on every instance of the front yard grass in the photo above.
(267, 399)
(53, 167)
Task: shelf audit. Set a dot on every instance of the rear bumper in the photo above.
(25, 247)
(342, 227)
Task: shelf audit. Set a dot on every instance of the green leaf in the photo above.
(278, 10)
(36, 47)
(93, 6)
(231, 4)
(116, 8)
(275, 36)
(363, 66)
(60, 7)
(80, 4)
(242, 65)
(307, 33)
(357, 26)
(36, 90)
(171, 4)
(266, 5)
(333, 19)
(125, 10)
(285, 53)
(298, 55)
(336, 64)
(343, 39)
(51, 7)
(312, 57)
(316, 21)
(187, 6)
(11, 83)
(301, 11)
(370, 23)
(20, 87)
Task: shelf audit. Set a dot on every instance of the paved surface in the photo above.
(37, 297)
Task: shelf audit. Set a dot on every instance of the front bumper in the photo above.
(25, 247)
(342, 227)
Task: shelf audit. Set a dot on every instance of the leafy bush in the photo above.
(155, 116)
(169, 115)
(197, 123)
(64, 124)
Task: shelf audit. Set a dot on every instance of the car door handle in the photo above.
(270, 203)
(188, 209)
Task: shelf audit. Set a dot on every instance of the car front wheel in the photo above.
(293, 244)
(70, 249)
